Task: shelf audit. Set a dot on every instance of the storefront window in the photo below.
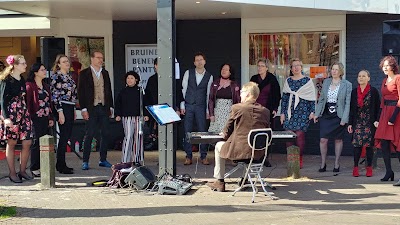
(79, 49)
(315, 49)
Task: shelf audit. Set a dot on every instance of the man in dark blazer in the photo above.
(244, 117)
(96, 102)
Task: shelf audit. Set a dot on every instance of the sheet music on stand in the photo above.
(163, 113)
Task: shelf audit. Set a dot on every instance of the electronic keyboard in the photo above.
(212, 138)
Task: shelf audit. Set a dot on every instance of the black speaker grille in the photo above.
(49, 49)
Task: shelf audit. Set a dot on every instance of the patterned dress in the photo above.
(44, 103)
(17, 111)
(221, 110)
(362, 136)
(299, 120)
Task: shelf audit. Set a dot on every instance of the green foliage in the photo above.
(7, 211)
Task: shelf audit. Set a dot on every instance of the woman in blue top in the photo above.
(297, 105)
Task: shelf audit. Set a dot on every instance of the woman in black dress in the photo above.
(17, 121)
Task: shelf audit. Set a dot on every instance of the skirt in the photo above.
(330, 123)
(22, 123)
(221, 112)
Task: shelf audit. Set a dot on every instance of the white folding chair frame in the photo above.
(254, 170)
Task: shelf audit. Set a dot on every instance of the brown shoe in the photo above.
(205, 161)
(217, 186)
(187, 162)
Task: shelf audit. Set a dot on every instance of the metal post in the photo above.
(166, 80)
(47, 167)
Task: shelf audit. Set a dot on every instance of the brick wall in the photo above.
(364, 45)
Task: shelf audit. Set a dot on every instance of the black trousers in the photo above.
(98, 120)
(40, 128)
(65, 133)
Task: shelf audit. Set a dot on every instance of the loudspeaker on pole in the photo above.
(50, 47)
(391, 37)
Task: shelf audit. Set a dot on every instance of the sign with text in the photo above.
(140, 58)
(318, 72)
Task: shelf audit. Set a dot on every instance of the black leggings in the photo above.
(385, 146)
(357, 155)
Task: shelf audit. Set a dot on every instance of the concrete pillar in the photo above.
(293, 162)
(47, 161)
(166, 71)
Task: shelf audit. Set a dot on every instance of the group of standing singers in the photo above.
(27, 109)
(338, 109)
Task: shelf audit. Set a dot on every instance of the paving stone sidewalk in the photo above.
(314, 199)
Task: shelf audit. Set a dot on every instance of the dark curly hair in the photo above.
(132, 73)
(34, 68)
(231, 70)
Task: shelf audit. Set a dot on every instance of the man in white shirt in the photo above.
(196, 85)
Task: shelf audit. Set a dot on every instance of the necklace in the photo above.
(335, 84)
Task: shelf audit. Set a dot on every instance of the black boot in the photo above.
(386, 158)
(62, 168)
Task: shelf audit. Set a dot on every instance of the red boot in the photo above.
(369, 171)
(355, 172)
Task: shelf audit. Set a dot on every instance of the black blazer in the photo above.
(374, 107)
(86, 89)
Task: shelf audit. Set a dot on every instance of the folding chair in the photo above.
(258, 140)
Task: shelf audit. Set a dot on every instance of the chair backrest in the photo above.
(260, 139)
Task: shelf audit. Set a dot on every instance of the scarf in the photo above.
(307, 92)
(361, 95)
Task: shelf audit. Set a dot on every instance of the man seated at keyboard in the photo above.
(244, 116)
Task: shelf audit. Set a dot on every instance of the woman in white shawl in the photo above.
(298, 104)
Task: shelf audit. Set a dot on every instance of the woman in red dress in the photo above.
(387, 136)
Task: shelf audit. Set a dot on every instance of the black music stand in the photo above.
(164, 115)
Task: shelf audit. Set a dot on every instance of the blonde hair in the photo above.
(341, 68)
(55, 67)
(9, 69)
(252, 89)
(296, 60)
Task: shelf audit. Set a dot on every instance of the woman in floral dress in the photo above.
(298, 103)
(17, 121)
(364, 108)
(64, 93)
(39, 106)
